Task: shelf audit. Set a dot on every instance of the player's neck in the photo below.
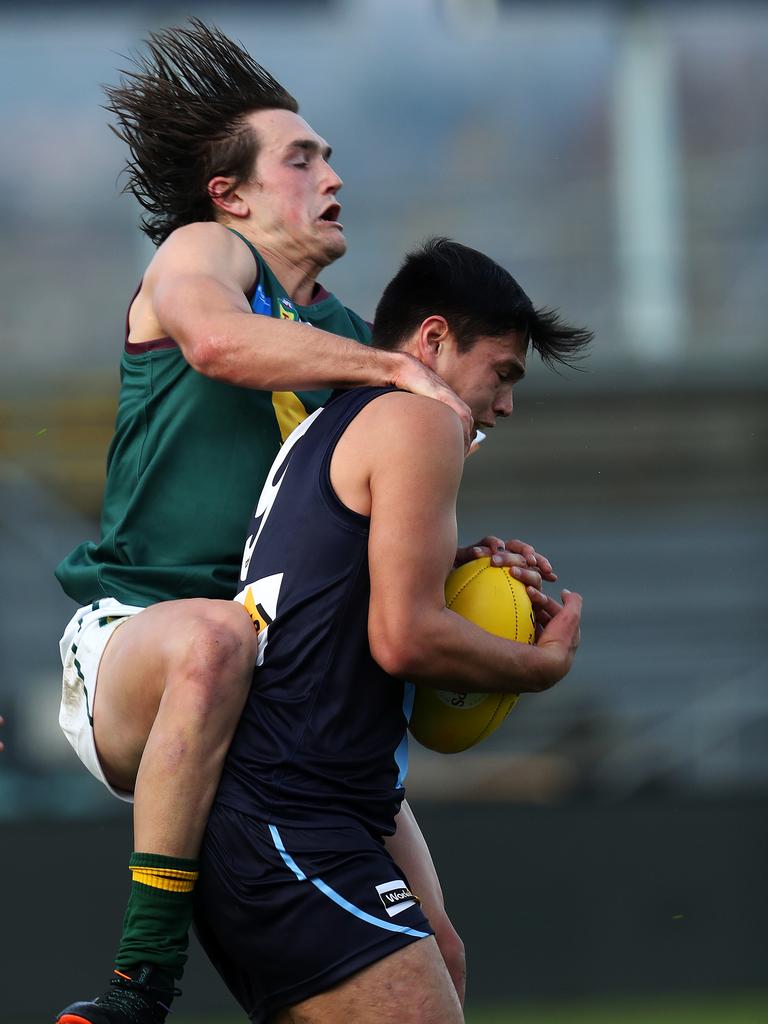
(296, 273)
(299, 282)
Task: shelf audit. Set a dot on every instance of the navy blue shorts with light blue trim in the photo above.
(284, 912)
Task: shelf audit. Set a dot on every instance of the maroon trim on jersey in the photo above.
(135, 347)
(319, 294)
(138, 347)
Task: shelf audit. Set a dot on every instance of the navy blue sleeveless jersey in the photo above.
(323, 737)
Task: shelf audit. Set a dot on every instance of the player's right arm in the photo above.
(414, 456)
(195, 290)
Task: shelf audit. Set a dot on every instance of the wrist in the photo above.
(394, 365)
(545, 667)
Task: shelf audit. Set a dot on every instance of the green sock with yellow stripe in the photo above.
(159, 913)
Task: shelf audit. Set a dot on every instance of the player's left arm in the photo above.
(414, 458)
(408, 848)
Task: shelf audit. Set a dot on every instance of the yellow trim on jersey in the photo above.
(289, 410)
(253, 611)
(170, 879)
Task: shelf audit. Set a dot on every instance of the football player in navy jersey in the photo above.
(301, 903)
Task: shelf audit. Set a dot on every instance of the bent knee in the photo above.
(214, 652)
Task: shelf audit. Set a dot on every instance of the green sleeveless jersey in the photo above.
(187, 463)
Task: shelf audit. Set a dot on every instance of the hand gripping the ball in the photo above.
(522, 560)
(558, 634)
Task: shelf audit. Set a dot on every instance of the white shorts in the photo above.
(81, 648)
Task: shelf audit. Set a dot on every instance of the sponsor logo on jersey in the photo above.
(396, 896)
(287, 310)
(261, 303)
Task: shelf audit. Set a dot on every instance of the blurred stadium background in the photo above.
(604, 852)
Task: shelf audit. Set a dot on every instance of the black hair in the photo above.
(181, 110)
(477, 297)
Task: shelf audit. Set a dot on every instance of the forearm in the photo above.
(210, 320)
(280, 355)
(196, 287)
(440, 648)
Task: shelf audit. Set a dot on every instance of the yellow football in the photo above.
(488, 596)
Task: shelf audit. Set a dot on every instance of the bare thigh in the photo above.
(411, 986)
(171, 643)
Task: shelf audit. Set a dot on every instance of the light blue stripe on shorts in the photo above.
(333, 895)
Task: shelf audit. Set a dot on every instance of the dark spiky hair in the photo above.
(181, 110)
(477, 297)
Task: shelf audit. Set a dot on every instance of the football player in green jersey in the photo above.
(242, 202)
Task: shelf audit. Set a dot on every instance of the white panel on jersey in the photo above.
(270, 491)
(260, 601)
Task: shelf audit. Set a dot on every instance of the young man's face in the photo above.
(292, 196)
(485, 375)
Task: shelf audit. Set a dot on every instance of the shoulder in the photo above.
(205, 248)
(401, 419)
(417, 409)
(399, 447)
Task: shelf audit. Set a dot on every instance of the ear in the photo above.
(433, 335)
(224, 196)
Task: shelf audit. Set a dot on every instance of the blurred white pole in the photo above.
(647, 168)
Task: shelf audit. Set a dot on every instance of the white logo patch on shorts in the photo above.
(396, 896)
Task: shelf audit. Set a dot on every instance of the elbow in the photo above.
(202, 360)
(396, 652)
(203, 352)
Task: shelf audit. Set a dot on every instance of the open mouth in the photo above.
(331, 215)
